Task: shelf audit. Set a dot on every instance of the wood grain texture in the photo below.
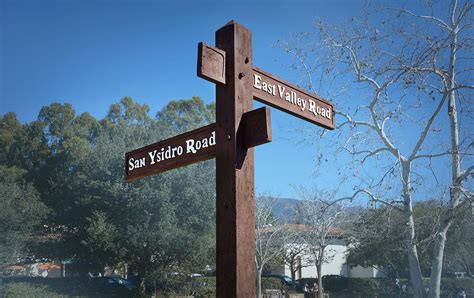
(211, 63)
(257, 127)
(235, 222)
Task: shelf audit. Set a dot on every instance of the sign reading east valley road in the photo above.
(185, 149)
(286, 97)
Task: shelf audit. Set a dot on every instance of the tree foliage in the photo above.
(21, 213)
(75, 162)
(378, 240)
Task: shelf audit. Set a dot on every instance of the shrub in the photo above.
(206, 281)
(348, 286)
(307, 280)
(334, 283)
(204, 286)
(273, 283)
(364, 285)
(457, 283)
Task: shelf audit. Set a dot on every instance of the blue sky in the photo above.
(92, 53)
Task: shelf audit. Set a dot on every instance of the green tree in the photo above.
(11, 134)
(58, 143)
(21, 212)
(460, 248)
(378, 239)
(159, 224)
(162, 223)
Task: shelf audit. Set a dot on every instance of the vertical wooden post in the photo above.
(235, 223)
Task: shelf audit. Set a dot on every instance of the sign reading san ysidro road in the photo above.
(179, 151)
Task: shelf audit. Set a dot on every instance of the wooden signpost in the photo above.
(230, 140)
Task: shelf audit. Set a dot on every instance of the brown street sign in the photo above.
(287, 97)
(269, 89)
(193, 146)
(182, 150)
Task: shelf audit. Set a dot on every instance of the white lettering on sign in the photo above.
(291, 97)
(164, 154)
(158, 155)
(262, 85)
(136, 163)
(193, 146)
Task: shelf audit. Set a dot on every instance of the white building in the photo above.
(336, 263)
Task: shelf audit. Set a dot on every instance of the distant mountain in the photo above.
(284, 209)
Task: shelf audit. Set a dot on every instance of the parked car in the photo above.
(113, 282)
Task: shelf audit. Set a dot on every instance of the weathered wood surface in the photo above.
(257, 126)
(211, 63)
(235, 222)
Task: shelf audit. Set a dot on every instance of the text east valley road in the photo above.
(275, 92)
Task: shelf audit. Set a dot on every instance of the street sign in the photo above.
(269, 89)
(193, 146)
(291, 99)
(179, 151)
(235, 90)
(231, 139)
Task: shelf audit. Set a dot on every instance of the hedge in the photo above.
(376, 285)
(459, 283)
(273, 283)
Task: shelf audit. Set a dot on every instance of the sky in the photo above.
(93, 53)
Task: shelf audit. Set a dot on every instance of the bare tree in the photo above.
(322, 220)
(412, 113)
(270, 237)
(295, 256)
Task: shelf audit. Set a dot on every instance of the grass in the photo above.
(56, 287)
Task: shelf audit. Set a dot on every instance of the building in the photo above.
(335, 256)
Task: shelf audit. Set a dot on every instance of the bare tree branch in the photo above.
(427, 128)
(431, 155)
(303, 63)
(435, 20)
(464, 174)
(352, 121)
